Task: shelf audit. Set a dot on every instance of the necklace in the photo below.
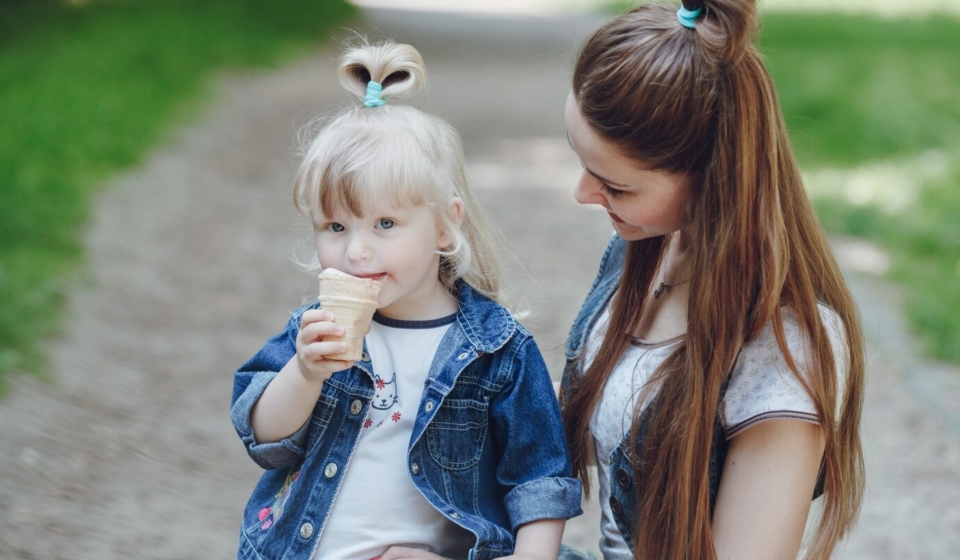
(664, 288)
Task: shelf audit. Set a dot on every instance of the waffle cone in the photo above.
(352, 301)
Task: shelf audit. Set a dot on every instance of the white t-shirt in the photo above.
(761, 388)
(377, 505)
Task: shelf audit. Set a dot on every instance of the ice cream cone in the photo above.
(353, 301)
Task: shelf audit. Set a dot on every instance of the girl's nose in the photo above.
(587, 190)
(358, 249)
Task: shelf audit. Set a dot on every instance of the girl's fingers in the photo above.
(317, 350)
(316, 330)
(314, 315)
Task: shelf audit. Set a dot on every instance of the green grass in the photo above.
(862, 93)
(86, 90)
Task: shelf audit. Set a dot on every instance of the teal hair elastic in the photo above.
(373, 99)
(687, 17)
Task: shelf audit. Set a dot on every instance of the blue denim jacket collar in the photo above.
(487, 325)
(482, 327)
(603, 288)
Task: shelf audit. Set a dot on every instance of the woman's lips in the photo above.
(614, 217)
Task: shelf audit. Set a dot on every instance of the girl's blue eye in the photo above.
(385, 223)
(335, 227)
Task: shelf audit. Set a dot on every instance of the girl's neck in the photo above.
(433, 302)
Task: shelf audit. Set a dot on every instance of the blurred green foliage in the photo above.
(87, 88)
(857, 88)
(858, 91)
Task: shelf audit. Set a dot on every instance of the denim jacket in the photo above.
(623, 498)
(487, 448)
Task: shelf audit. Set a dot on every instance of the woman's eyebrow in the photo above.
(606, 181)
(595, 176)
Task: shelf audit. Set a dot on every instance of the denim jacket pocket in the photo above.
(319, 420)
(456, 435)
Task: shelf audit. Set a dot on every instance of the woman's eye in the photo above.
(610, 190)
(385, 223)
(335, 227)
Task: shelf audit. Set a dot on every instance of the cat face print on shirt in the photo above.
(385, 395)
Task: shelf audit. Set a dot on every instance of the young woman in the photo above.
(716, 368)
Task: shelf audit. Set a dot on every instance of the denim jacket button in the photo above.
(623, 478)
(365, 357)
(615, 506)
(455, 515)
(429, 406)
(355, 407)
(463, 356)
(306, 530)
(415, 468)
(330, 470)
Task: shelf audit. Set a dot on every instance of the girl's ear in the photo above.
(455, 212)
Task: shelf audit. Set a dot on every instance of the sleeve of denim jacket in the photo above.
(534, 462)
(250, 381)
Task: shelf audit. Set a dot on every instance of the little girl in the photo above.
(444, 440)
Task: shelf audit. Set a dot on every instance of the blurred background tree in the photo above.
(87, 88)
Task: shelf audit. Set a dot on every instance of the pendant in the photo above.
(660, 291)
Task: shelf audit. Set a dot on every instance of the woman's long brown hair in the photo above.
(701, 102)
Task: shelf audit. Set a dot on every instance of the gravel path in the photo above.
(128, 451)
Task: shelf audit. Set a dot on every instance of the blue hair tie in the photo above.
(373, 99)
(687, 17)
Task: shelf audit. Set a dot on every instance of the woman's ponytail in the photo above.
(728, 28)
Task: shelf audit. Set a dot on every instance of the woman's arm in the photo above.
(768, 480)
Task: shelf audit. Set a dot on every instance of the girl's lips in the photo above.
(379, 277)
(614, 217)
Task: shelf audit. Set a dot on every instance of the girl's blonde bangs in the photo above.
(365, 167)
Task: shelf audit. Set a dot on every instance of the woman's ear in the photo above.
(455, 213)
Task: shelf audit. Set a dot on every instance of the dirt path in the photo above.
(128, 451)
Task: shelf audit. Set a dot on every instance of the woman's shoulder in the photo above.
(763, 385)
(795, 336)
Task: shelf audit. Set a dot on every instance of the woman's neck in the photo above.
(665, 309)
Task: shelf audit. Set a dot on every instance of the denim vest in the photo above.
(623, 487)
(487, 449)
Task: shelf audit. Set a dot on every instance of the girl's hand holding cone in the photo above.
(317, 339)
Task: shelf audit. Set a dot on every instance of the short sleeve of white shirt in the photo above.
(762, 386)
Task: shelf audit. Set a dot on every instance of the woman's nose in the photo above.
(587, 191)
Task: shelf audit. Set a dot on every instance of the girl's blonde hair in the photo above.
(700, 102)
(399, 154)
